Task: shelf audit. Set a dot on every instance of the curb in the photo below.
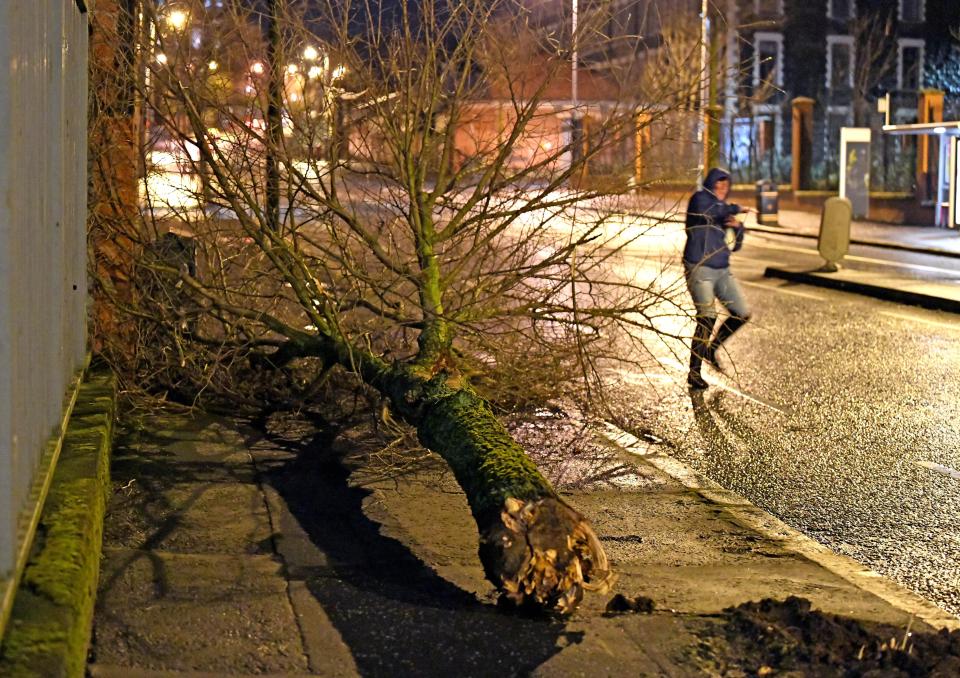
(746, 514)
(50, 626)
(884, 244)
(866, 289)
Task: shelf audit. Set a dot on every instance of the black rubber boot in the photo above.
(724, 332)
(699, 347)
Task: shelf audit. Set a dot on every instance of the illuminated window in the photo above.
(766, 139)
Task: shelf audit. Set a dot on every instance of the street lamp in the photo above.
(573, 56)
(310, 53)
(177, 19)
(576, 135)
(703, 127)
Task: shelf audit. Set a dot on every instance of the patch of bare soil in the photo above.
(787, 638)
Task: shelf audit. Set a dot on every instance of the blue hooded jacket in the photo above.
(706, 216)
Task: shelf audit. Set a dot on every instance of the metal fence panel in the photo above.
(43, 106)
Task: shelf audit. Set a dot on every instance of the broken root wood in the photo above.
(544, 555)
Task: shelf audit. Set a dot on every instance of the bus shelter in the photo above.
(947, 188)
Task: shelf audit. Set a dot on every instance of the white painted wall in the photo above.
(43, 283)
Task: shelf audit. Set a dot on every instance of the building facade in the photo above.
(844, 55)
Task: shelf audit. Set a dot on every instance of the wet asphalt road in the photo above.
(841, 414)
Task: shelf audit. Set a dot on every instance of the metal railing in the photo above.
(43, 178)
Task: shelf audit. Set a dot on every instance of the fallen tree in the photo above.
(407, 195)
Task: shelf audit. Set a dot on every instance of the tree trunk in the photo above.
(534, 547)
(537, 550)
(274, 121)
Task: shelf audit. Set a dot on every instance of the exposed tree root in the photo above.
(542, 553)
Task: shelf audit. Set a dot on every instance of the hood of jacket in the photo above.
(713, 176)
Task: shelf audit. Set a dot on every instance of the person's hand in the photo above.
(731, 222)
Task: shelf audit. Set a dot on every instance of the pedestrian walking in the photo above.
(712, 233)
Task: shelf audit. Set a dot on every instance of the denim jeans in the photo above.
(706, 284)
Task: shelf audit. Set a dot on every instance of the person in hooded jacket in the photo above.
(706, 261)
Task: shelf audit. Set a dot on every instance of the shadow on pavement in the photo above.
(395, 613)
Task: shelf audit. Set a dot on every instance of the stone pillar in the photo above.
(929, 109)
(642, 122)
(802, 144)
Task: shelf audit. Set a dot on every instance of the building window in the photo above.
(909, 63)
(911, 11)
(767, 60)
(840, 9)
(840, 55)
(768, 8)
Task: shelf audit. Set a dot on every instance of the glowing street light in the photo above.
(292, 69)
(257, 68)
(161, 58)
(310, 53)
(314, 72)
(213, 66)
(177, 19)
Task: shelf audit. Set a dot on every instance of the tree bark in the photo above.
(533, 546)
(537, 550)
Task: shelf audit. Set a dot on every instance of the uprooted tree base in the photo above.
(534, 547)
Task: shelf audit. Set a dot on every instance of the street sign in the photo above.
(855, 168)
(834, 241)
(883, 106)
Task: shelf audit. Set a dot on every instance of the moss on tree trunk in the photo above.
(488, 463)
(533, 546)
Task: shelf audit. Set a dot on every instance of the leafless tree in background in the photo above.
(875, 57)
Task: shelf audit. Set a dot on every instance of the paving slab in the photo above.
(196, 612)
(371, 568)
(941, 295)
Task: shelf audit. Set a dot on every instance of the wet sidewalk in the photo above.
(931, 287)
(910, 238)
(292, 549)
(934, 287)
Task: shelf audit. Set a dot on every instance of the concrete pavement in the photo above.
(298, 549)
(939, 289)
(909, 238)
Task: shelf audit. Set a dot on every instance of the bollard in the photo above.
(833, 242)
